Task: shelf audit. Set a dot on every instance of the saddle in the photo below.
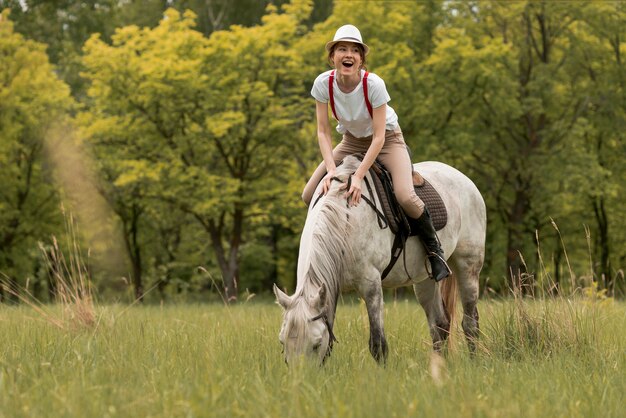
(393, 213)
(391, 209)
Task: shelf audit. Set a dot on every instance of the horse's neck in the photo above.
(325, 248)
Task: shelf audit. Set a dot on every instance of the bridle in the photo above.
(331, 336)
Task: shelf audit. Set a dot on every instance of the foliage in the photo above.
(511, 107)
(65, 25)
(32, 102)
(203, 133)
(202, 125)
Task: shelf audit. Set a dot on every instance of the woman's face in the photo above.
(347, 58)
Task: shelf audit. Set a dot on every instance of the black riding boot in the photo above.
(425, 230)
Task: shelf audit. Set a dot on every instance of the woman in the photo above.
(358, 101)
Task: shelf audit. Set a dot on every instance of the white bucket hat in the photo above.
(347, 33)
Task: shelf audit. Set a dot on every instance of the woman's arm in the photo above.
(325, 142)
(379, 119)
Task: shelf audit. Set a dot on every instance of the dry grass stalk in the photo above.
(73, 289)
(69, 276)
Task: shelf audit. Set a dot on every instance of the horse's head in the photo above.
(305, 332)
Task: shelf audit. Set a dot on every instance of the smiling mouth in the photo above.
(347, 64)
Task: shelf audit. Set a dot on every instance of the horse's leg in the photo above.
(429, 296)
(372, 293)
(466, 267)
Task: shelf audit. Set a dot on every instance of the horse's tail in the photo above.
(449, 295)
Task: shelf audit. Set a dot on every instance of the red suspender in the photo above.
(330, 93)
(367, 97)
(332, 96)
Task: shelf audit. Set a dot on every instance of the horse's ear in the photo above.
(321, 297)
(281, 297)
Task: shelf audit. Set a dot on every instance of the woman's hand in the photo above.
(327, 181)
(354, 193)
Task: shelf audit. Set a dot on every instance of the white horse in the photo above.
(344, 248)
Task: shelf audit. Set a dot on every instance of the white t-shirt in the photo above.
(351, 108)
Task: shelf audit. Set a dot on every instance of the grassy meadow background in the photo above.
(546, 357)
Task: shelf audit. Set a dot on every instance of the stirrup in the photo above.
(438, 259)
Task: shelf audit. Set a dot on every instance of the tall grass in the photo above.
(211, 360)
(544, 318)
(538, 355)
(69, 277)
(73, 289)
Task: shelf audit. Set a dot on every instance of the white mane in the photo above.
(330, 230)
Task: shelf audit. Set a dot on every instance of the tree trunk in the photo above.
(233, 262)
(603, 243)
(137, 276)
(131, 240)
(272, 274)
(516, 270)
(52, 286)
(37, 288)
(229, 266)
(231, 285)
(137, 265)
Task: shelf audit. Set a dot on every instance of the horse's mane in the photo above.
(330, 247)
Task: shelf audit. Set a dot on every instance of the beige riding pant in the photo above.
(394, 156)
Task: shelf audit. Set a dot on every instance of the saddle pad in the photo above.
(434, 203)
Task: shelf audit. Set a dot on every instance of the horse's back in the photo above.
(452, 183)
(467, 214)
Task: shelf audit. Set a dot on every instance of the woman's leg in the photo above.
(311, 185)
(396, 160)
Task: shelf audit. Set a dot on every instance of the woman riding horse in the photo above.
(358, 100)
(345, 248)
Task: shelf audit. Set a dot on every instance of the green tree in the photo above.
(202, 124)
(32, 102)
(600, 47)
(506, 105)
(64, 25)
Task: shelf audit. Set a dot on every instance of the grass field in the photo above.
(550, 358)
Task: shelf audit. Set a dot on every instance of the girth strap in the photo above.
(398, 245)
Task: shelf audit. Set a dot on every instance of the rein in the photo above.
(382, 220)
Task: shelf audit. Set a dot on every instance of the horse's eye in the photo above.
(316, 347)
